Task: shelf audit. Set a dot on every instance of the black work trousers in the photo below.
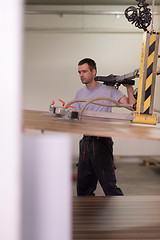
(96, 164)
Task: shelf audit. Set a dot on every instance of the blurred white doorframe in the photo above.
(47, 182)
(11, 22)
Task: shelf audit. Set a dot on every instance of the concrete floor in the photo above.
(133, 177)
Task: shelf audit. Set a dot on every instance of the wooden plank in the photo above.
(111, 128)
(133, 217)
(151, 162)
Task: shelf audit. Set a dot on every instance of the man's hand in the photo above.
(130, 99)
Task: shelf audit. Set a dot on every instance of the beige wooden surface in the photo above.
(132, 217)
(124, 129)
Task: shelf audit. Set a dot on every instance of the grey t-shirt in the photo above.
(99, 91)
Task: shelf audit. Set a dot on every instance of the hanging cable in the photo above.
(140, 16)
(152, 21)
(96, 101)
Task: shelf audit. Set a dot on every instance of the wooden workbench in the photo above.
(129, 217)
(124, 129)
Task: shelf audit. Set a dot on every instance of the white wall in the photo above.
(54, 44)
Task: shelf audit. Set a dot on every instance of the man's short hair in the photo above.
(91, 63)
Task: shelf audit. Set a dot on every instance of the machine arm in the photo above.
(116, 81)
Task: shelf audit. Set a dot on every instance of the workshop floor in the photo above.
(133, 177)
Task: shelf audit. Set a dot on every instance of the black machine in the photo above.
(116, 80)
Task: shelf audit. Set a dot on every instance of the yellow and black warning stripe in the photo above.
(149, 75)
(147, 80)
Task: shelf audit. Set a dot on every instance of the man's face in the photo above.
(86, 75)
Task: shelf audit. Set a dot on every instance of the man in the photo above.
(96, 153)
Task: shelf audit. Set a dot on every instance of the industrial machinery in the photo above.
(116, 81)
(63, 111)
(147, 79)
(144, 108)
(147, 73)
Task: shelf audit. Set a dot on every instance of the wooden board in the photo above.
(124, 129)
(151, 162)
(128, 217)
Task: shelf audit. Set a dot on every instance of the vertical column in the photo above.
(10, 118)
(151, 73)
(147, 79)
